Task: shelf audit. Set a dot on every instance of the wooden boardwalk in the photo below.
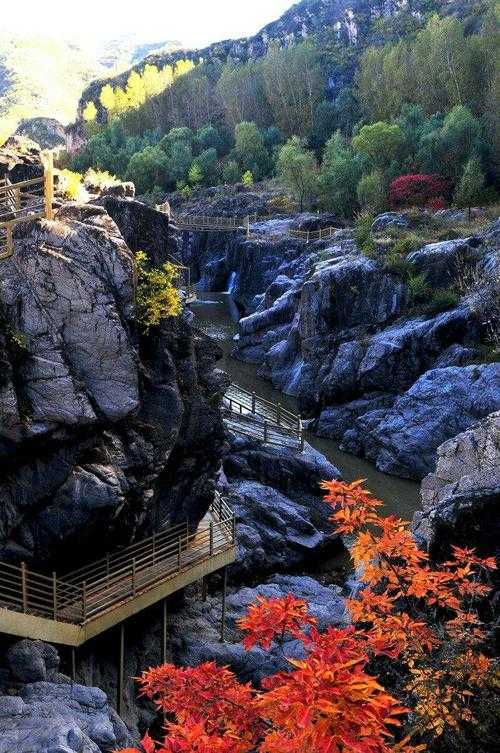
(246, 413)
(74, 608)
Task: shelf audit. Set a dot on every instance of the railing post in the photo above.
(84, 600)
(211, 538)
(49, 185)
(179, 554)
(10, 240)
(54, 595)
(133, 576)
(265, 432)
(223, 615)
(17, 199)
(24, 586)
(278, 413)
(254, 400)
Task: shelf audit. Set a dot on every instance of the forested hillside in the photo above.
(44, 77)
(389, 89)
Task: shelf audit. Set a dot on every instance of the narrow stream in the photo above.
(215, 314)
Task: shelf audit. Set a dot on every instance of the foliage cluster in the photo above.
(157, 297)
(420, 616)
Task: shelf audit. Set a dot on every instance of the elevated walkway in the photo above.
(72, 609)
(246, 413)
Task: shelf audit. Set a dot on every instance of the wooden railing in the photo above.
(82, 596)
(28, 199)
(248, 414)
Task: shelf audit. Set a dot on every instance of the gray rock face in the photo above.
(443, 262)
(440, 405)
(92, 415)
(281, 518)
(196, 628)
(461, 498)
(49, 713)
(389, 219)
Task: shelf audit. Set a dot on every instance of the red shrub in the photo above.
(417, 190)
(436, 204)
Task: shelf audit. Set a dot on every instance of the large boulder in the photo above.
(275, 493)
(93, 415)
(42, 711)
(461, 498)
(440, 405)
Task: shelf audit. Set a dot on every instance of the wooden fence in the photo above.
(28, 199)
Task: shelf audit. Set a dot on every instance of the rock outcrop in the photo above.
(461, 498)
(281, 519)
(41, 710)
(104, 434)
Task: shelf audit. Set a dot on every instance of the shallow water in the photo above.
(216, 315)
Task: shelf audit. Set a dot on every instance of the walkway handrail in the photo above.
(27, 199)
(86, 594)
(247, 404)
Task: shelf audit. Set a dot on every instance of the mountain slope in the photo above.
(43, 77)
(350, 20)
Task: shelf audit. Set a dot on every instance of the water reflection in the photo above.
(216, 315)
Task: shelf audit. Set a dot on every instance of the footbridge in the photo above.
(246, 413)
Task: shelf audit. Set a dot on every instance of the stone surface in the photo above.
(117, 424)
(440, 405)
(461, 498)
(49, 713)
(389, 220)
(281, 519)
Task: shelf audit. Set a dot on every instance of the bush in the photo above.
(247, 179)
(417, 190)
(397, 264)
(157, 298)
(407, 244)
(442, 300)
(372, 192)
(363, 233)
(99, 179)
(70, 185)
(418, 288)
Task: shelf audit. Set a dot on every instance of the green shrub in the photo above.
(396, 264)
(442, 300)
(405, 245)
(157, 297)
(247, 179)
(363, 234)
(419, 288)
(71, 185)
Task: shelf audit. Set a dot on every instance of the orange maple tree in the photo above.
(407, 609)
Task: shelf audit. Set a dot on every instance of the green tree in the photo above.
(241, 90)
(148, 169)
(249, 150)
(379, 142)
(209, 166)
(179, 159)
(372, 192)
(470, 189)
(297, 169)
(340, 173)
(195, 175)
(89, 112)
(460, 139)
(247, 179)
(231, 172)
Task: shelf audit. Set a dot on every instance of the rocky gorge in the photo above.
(108, 434)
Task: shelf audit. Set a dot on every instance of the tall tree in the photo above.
(469, 191)
(297, 168)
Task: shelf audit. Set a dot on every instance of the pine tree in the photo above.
(469, 191)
